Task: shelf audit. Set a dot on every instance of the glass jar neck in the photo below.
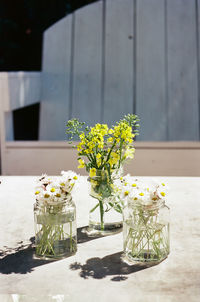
(56, 203)
(103, 174)
(151, 206)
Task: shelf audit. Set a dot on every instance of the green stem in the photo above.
(101, 214)
(93, 209)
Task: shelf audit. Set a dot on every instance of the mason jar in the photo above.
(55, 229)
(146, 237)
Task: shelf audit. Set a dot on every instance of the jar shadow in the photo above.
(110, 265)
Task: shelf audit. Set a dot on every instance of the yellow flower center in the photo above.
(162, 193)
(141, 194)
(126, 193)
(37, 192)
(53, 190)
(46, 195)
(75, 177)
(134, 185)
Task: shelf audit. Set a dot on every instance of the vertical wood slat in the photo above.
(179, 110)
(198, 54)
(56, 80)
(150, 69)
(87, 71)
(182, 70)
(118, 93)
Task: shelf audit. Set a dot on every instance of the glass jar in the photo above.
(146, 232)
(105, 216)
(55, 229)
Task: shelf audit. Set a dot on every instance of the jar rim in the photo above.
(148, 206)
(64, 201)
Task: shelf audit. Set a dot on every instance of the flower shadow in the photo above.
(20, 260)
(111, 265)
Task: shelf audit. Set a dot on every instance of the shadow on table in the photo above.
(83, 237)
(20, 260)
(111, 265)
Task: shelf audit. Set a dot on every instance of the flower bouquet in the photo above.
(103, 151)
(145, 221)
(55, 216)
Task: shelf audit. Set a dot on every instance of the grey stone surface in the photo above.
(96, 272)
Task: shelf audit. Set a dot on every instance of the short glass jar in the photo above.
(55, 229)
(146, 232)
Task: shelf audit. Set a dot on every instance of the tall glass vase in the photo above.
(105, 216)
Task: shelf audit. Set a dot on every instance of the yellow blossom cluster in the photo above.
(93, 139)
(105, 147)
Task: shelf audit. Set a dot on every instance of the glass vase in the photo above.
(55, 229)
(105, 216)
(146, 233)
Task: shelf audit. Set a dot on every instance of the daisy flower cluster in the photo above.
(52, 191)
(145, 193)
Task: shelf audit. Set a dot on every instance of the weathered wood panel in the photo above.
(119, 39)
(183, 118)
(150, 69)
(198, 54)
(56, 79)
(151, 159)
(87, 67)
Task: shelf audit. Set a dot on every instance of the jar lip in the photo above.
(102, 172)
(64, 201)
(148, 206)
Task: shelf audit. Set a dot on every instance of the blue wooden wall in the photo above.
(124, 56)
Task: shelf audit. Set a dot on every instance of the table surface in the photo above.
(96, 271)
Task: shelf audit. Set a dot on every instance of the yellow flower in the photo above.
(37, 192)
(82, 136)
(98, 158)
(141, 194)
(82, 163)
(92, 172)
(126, 193)
(110, 139)
(129, 153)
(162, 193)
(53, 190)
(134, 185)
(75, 177)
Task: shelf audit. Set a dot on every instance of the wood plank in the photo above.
(150, 70)
(138, 145)
(87, 71)
(19, 89)
(55, 100)
(198, 53)
(152, 158)
(119, 40)
(183, 115)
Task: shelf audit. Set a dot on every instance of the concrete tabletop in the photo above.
(96, 272)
